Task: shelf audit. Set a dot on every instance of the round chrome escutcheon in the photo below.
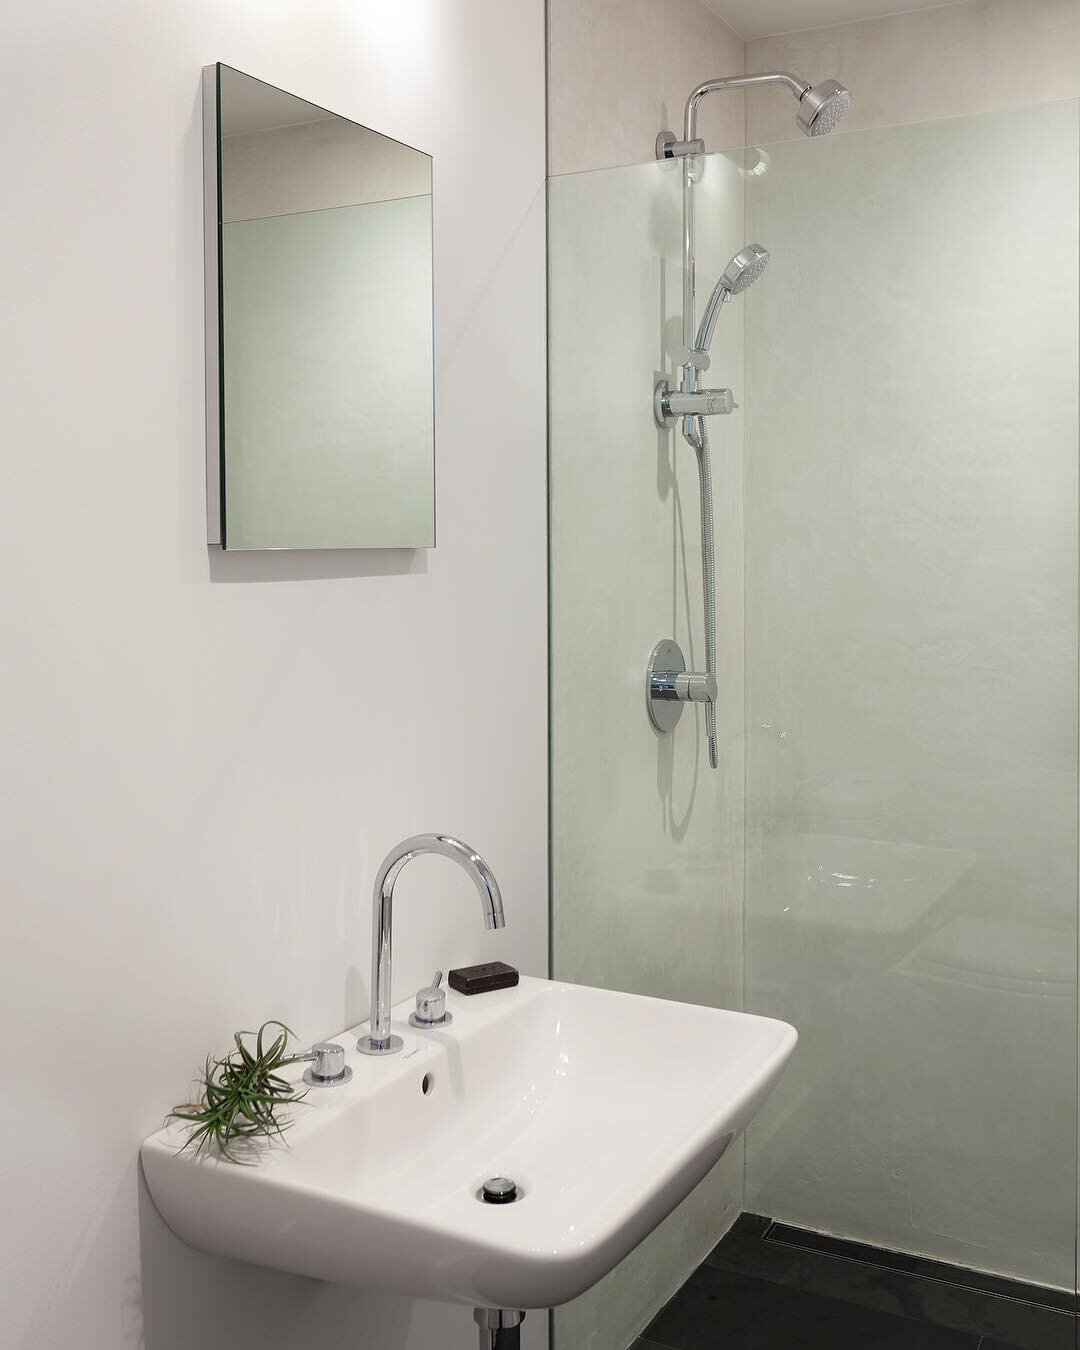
(664, 707)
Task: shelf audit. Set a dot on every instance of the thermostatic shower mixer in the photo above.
(669, 404)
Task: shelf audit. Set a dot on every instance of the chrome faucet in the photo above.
(379, 1041)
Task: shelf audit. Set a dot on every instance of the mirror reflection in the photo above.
(325, 422)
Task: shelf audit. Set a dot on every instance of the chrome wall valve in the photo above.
(669, 685)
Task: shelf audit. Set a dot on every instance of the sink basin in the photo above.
(605, 1108)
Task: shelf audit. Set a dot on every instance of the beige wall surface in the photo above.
(314, 166)
(619, 72)
(974, 56)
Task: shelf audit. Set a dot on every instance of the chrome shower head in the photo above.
(745, 268)
(739, 275)
(822, 108)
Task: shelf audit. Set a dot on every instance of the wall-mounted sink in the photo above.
(606, 1109)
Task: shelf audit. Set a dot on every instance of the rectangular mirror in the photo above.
(320, 374)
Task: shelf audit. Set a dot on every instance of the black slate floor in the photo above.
(771, 1287)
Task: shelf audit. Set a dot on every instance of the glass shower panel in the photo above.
(911, 685)
(647, 842)
(887, 854)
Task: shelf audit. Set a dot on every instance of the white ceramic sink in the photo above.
(605, 1108)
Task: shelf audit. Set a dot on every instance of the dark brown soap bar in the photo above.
(482, 979)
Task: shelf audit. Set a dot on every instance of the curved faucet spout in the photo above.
(380, 1041)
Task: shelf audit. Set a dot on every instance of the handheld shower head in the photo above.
(739, 275)
(822, 108)
(745, 268)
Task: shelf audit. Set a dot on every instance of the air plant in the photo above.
(242, 1094)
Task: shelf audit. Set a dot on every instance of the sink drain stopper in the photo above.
(499, 1191)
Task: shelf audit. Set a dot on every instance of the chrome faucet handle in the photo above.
(328, 1067)
(431, 1006)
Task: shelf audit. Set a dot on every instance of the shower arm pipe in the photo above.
(798, 88)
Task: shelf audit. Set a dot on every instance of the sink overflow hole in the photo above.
(426, 1084)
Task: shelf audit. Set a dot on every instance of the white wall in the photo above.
(205, 757)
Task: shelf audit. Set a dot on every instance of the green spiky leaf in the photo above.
(241, 1095)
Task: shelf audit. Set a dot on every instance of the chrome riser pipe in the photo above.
(500, 1328)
